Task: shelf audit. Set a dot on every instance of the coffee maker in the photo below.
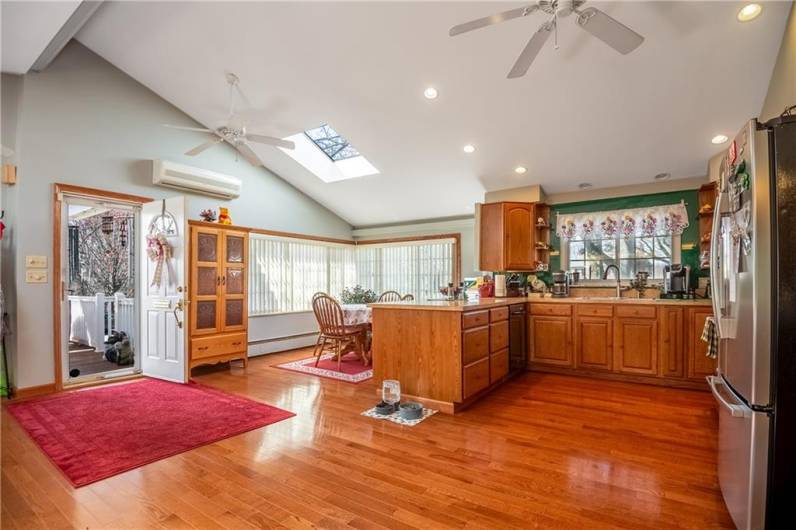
(560, 285)
(676, 280)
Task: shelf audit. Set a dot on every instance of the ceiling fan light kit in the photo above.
(612, 32)
(235, 135)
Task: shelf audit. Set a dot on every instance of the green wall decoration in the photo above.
(689, 239)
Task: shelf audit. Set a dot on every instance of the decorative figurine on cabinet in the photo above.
(223, 216)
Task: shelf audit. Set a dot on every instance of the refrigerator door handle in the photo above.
(715, 273)
(737, 411)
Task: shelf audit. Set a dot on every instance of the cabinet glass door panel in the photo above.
(235, 249)
(234, 281)
(207, 247)
(206, 315)
(233, 313)
(207, 280)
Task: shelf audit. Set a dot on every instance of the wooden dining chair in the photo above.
(408, 298)
(389, 296)
(331, 321)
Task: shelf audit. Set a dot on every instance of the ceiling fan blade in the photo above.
(248, 154)
(197, 129)
(270, 140)
(207, 145)
(532, 49)
(494, 19)
(615, 34)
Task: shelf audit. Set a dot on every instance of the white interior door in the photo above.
(163, 326)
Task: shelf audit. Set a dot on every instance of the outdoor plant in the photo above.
(357, 295)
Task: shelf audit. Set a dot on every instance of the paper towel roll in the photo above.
(500, 285)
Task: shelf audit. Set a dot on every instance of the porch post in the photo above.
(99, 323)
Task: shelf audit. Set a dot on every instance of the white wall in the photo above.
(84, 122)
(465, 227)
(782, 88)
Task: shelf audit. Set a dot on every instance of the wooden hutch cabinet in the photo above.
(218, 294)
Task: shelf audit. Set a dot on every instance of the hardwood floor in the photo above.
(543, 451)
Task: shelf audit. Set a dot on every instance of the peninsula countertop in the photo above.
(488, 303)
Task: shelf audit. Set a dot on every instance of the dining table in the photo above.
(360, 315)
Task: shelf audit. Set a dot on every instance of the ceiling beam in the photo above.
(70, 28)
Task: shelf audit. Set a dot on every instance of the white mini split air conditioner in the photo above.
(197, 180)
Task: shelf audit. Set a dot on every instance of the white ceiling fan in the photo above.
(613, 33)
(235, 131)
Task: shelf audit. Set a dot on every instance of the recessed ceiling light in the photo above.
(662, 176)
(749, 12)
(520, 170)
(431, 93)
(584, 185)
(719, 139)
(469, 148)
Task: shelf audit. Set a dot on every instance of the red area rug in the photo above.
(100, 432)
(352, 369)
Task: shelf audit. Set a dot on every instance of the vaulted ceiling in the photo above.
(583, 113)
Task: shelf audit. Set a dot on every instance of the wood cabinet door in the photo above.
(671, 345)
(518, 236)
(594, 343)
(205, 268)
(490, 237)
(699, 366)
(234, 254)
(550, 340)
(636, 346)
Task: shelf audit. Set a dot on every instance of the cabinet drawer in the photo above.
(498, 314)
(475, 344)
(551, 309)
(476, 377)
(498, 336)
(218, 345)
(498, 365)
(635, 311)
(474, 319)
(594, 310)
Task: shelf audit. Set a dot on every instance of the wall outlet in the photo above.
(36, 262)
(36, 276)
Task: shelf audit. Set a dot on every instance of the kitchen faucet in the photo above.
(618, 284)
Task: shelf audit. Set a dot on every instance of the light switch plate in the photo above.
(36, 276)
(36, 262)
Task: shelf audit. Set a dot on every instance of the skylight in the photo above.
(328, 156)
(330, 142)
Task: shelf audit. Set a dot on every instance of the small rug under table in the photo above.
(99, 432)
(351, 368)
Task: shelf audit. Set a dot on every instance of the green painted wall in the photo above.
(690, 235)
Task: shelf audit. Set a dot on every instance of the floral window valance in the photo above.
(669, 219)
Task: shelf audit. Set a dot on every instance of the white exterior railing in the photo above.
(94, 317)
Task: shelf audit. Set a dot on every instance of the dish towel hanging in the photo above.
(711, 336)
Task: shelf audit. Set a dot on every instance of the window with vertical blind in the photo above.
(284, 273)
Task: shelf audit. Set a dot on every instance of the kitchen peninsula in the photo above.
(448, 354)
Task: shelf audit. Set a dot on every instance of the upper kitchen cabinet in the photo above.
(507, 237)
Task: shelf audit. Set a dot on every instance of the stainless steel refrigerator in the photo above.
(753, 278)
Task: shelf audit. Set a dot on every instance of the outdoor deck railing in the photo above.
(94, 317)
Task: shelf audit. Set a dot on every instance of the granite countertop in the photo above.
(487, 303)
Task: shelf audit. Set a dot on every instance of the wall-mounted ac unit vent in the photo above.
(182, 177)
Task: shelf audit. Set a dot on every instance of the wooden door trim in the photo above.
(57, 287)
